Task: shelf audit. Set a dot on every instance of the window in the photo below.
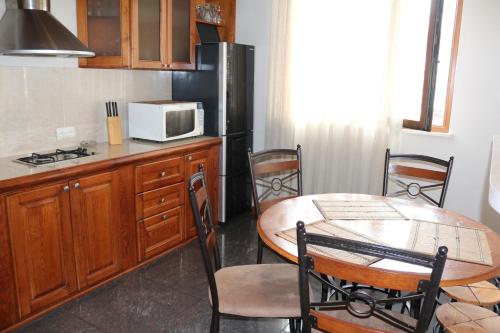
(435, 76)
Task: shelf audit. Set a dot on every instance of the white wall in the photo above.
(253, 26)
(475, 115)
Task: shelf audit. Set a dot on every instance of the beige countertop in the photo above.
(10, 169)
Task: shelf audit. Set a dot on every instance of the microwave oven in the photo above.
(165, 120)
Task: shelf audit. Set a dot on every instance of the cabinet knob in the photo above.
(163, 200)
(163, 174)
(66, 188)
(164, 217)
(77, 185)
(190, 157)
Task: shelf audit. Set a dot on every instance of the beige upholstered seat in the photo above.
(266, 290)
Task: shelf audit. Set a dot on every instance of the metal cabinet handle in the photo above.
(164, 217)
(66, 188)
(190, 157)
(163, 174)
(77, 185)
(163, 200)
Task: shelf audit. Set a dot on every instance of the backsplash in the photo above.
(35, 101)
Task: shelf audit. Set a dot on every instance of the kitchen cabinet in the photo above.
(95, 211)
(146, 34)
(162, 34)
(42, 246)
(65, 231)
(193, 163)
(226, 27)
(104, 26)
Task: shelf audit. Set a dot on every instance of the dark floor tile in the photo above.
(135, 304)
(59, 321)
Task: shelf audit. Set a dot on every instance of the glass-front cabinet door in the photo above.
(182, 34)
(103, 25)
(148, 33)
(162, 34)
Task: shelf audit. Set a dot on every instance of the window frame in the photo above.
(431, 66)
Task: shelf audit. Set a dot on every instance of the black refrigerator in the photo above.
(224, 83)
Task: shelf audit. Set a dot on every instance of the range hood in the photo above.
(31, 30)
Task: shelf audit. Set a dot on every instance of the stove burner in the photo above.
(57, 156)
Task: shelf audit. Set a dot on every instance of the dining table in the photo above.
(392, 231)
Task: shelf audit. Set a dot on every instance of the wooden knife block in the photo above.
(114, 125)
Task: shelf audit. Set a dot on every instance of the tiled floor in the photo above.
(169, 295)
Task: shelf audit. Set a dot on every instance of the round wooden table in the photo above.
(284, 216)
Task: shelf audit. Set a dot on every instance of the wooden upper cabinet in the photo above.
(95, 209)
(103, 25)
(42, 245)
(162, 34)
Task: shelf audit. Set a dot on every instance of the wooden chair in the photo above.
(481, 293)
(261, 291)
(276, 175)
(459, 317)
(415, 181)
(360, 311)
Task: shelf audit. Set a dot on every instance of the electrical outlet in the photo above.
(65, 133)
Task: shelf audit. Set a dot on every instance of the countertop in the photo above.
(11, 170)
(494, 192)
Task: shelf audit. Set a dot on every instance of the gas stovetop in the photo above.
(56, 156)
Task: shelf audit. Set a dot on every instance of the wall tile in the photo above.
(34, 101)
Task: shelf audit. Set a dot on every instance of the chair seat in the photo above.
(345, 321)
(459, 317)
(265, 290)
(482, 293)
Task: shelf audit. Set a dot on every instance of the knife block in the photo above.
(114, 125)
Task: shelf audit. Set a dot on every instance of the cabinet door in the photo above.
(192, 163)
(95, 209)
(103, 25)
(181, 34)
(42, 245)
(148, 25)
(160, 232)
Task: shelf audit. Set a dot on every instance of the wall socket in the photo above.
(65, 133)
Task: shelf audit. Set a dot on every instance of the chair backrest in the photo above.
(207, 236)
(415, 175)
(276, 175)
(422, 287)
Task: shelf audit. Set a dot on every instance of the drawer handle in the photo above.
(190, 157)
(164, 217)
(163, 174)
(77, 185)
(66, 188)
(163, 200)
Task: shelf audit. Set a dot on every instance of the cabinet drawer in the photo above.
(160, 232)
(157, 201)
(158, 174)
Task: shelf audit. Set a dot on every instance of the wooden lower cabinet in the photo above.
(92, 223)
(160, 232)
(95, 211)
(42, 246)
(192, 163)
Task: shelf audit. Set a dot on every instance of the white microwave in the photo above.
(165, 120)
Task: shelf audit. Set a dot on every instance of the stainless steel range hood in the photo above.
(30, 30)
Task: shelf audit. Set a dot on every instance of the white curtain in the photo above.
(331, 82)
